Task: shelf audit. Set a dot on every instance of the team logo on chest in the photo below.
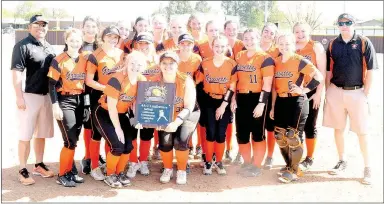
(308, 57)
(246, 68)
(150, 72)
(72, 76)
(107, 71)
(354, 46)
(216, 80)
(126, 98)
(283, 74)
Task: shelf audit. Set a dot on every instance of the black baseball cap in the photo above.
(186, 37)
(111, 30)
(170, 54)
(37, 18)
(144, 37)
(346, 16)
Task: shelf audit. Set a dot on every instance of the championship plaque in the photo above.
(154, 104)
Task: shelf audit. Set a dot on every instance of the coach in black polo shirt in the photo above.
(350, 61)
(31, 58)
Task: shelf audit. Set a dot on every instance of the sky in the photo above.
(115, 10)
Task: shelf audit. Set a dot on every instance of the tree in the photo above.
(308, 15)
(6, 13)
(203, 7)
(275, 15)
(244, 9)
(178, 7)
(58, 13)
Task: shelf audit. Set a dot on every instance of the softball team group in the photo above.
(269, 85)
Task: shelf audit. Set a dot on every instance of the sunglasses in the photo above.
(348, 23)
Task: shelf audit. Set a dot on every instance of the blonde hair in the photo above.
(302, 23)
(197, 16)
(161, 18)
(69, 32)
(288, 36)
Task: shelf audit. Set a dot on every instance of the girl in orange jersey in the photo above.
(101, 65)
(267, 44)
(315, 53)
(290, 103)
(113, 120)
(186, 115)
(124, 29)
(141, 25)
(177, 27)
(145, 46)
(236, 45)
(159, 25)
(215, 73)
(66, 88)
(90, 30)
(195, 25)
(253, 81)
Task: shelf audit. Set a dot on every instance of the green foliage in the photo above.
(203, 7)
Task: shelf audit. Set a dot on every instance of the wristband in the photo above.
(228, 95)
(264, 96)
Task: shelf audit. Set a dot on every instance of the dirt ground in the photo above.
(315, 186)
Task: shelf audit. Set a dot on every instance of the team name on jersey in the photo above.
(125, 98)
(283, 74)
(178, 100)
(216, 80)
(72, 76)
(246, 68)
(107, 71)
(151, 72)
(308, 57)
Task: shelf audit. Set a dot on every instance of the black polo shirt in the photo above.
(345, 60)
(36, 58)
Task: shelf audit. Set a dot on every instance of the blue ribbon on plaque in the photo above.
(154, 104)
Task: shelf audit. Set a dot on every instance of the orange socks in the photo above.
(228, 139)
(311, 145)
(182, 159)
(271, 141)
(144, 149)
(112, 162)
(167, 158)
(124, 158)
(245, 151)
(156, 137)
(66, 160)
(219, 151)
(258, 152)
(94, 148)
(133, 155)
(87, 139)
(209, 150)
(198, 135)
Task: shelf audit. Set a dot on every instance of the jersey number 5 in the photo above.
(253, 79)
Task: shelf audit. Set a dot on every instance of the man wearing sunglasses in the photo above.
(31, 59)
(351, 59)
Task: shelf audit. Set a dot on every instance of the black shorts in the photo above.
(310, 128)
(201, 98)
(245, 122)
(95, 96)
(269, 123)
(216, 129)
(87, 124)
(291, 112)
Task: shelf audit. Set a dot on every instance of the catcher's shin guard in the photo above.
(281, 140)
(295, 148)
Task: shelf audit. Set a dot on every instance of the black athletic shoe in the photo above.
(85, 166)
(123, 179)
(76, 178)
(306, 164)
(66, 180)
(188, 169)
(339, 168)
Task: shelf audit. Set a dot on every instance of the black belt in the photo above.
(350, 87)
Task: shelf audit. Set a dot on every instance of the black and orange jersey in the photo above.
(191, 66)
(70, 73)
(104, 65)
(294, 70)
(308, 52)
(273, 51)
(127, 46)
(120, 88)
(205, 51)
(152, 69)
(178, 102)
(237, 47)
(249, 72)
(168, 44)
(216, 80)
